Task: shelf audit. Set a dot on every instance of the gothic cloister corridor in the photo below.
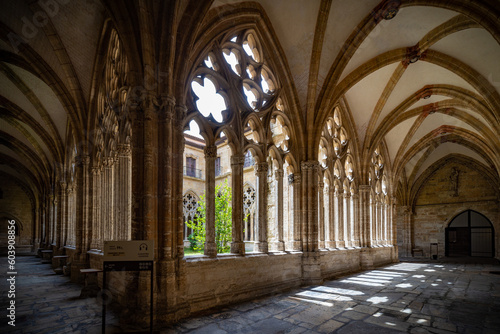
(233, 150)
(407, 297)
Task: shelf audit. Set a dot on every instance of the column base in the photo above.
(366, 259)
(311, 268)
(210, 249)
(261, 247)
(76, 276)
(294, 246)
(278, 246)
(330, 244)
(238, 247)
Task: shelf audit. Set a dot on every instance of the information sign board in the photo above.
(132, 250)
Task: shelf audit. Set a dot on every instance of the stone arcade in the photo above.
(351, 134)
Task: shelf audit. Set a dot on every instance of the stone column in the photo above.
(339, 221)
(392, 221)
(54, 220)
(60, 216)
(261, 244)
(150, 175)
(210, 156)
(280, 244)
(331, 220)
(327, 216)
(311, 264)
(310, 205)
(117, 223)
(355, 219)
(407, 233)
(124, 193)
(49, 220)
(82, 204)
(347, 219)
(177, 199)
(385, 221)
(375, 219)
(167, 174)
(108, 199)
(293, 213)
(81, 219)
(237, 244)
(67, 215)
(364, 215)
(96, 208)
(321, 214)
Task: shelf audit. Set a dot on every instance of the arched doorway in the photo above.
(470, 234)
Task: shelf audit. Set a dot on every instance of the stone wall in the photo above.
(15, 204)
(229, 279)
(439, 201)
(339, 262)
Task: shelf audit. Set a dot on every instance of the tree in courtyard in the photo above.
(223, 225)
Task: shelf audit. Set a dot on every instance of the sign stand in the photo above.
(135, 255)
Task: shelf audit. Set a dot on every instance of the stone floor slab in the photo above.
(416, 298)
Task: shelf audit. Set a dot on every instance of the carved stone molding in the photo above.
(291, 179)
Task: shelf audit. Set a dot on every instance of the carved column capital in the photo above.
(82, 160)
(210, 151)
(278, 174)
(96, 170)
(261, 167)
(365, 188)
(237, 160)
(179, 116)
(124, 149)
(309, 165)
(166, 107)
(62, 186)
(291, 178)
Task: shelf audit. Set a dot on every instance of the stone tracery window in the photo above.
(190, 211)
(334, 154)
(249, 197)
(233, 88)
(378, 182)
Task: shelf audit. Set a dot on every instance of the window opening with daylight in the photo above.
(236, 101)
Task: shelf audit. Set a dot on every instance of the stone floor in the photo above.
(412, 297)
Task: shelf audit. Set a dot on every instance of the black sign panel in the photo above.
(128, 265)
